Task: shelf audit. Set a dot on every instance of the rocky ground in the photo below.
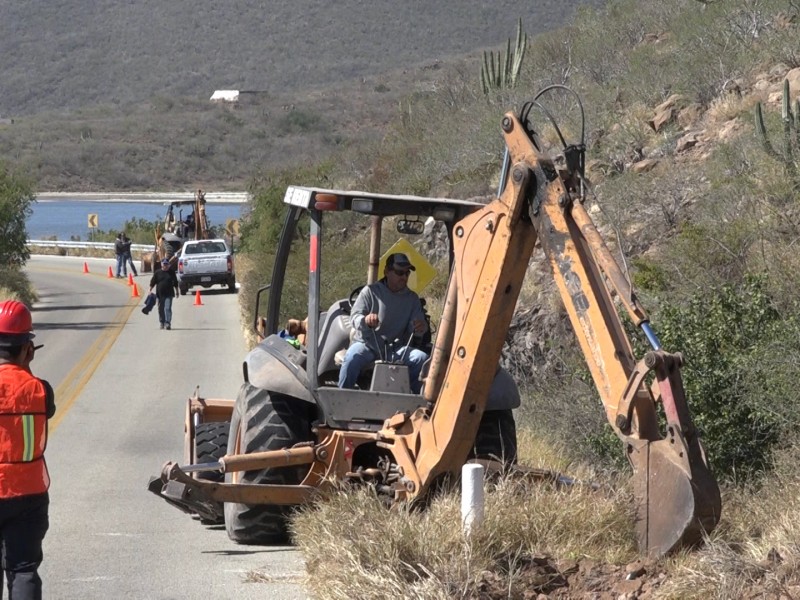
(542, 577)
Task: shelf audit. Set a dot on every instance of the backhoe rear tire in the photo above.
(497, 437)
(262, 421)
(211, 444)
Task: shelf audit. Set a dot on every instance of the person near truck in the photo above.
(127, 258)
(119, 250)
(385, 317)
(165, 283)
(26, 403)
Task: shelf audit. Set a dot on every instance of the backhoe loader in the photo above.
(291, 431)
(176, 229)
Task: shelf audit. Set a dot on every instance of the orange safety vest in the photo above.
(23, 433)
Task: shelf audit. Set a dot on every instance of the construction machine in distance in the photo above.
(291, 431)
(175, 229)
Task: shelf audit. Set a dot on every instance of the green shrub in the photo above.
(16, 196)
(14, 285)
(299, 121)
(725, 333)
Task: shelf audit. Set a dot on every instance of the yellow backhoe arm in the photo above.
(677, 497)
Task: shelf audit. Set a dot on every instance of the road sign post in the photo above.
(93, 224)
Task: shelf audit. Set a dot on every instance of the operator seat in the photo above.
(334, 337)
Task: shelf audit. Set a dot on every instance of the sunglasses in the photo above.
(405, 273)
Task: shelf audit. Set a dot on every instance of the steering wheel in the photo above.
(354, 295)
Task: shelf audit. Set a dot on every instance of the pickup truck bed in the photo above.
(206, 263)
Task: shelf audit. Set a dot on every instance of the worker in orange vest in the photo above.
(26, 403)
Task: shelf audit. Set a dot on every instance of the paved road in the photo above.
(121, 384)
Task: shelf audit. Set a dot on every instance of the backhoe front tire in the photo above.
(210, 444)
(262, 421)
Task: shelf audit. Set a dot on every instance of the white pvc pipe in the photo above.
(472, 501)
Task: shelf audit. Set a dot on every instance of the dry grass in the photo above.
(14, 285)
(356, 548)
(757, 546)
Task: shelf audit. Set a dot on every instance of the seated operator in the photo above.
(385, 316)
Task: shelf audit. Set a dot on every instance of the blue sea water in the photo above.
(66, 219)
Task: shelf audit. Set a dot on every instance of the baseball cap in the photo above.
(398, 259)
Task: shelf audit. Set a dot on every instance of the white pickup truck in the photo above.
(206, 263)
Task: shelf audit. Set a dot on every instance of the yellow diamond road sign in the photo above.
(92, 221)
(424, 273)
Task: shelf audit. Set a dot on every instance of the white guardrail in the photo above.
(142, 197)
(84, 245)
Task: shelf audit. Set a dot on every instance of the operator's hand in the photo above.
(372, 320)
(418, 326)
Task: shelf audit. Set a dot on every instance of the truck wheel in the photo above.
(211, 444)
(262, 421)
(183, 288)
(232, 284)
(497, 437)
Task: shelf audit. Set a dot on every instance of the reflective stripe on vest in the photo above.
(27, 438)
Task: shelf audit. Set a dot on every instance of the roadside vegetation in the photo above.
(705, 217)
(16, 196)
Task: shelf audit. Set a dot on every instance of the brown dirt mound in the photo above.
(543, 577)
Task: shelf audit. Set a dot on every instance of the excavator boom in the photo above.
(677, 498)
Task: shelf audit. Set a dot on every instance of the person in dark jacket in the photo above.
(126, 254)
(26, 404)
(165, 283)
(119, 250)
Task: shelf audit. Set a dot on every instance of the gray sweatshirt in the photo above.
(396, 311)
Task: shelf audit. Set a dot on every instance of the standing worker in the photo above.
(165, 283)
(26, 403)
(119, 250)
(127, 258)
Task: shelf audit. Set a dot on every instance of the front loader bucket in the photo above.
(677, 497)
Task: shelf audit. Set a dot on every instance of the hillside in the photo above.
(116, 96)
(67, 55)
(700, 208)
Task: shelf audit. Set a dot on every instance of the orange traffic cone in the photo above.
(85, 267)
(130, 279)
(197, 300)
(110, 273)
(135, 291)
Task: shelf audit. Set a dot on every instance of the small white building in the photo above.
(225, 96)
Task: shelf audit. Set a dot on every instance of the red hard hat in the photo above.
(16, 325)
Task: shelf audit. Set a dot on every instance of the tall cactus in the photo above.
(791, 138)
(498, 72)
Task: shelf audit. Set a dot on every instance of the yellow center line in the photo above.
(72, 385)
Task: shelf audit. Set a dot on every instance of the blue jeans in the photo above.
(121, 264)
(127, 258)
(165, 310)
(359, 356)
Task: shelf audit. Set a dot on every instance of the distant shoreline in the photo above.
(149, 197)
